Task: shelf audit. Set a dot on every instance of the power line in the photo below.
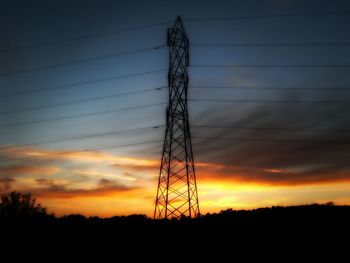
(142, 143)
(271, 44)
(271, 88)
(96, 58)
(162, 125)
(81, 101)
(83, 137)
(84, 150)
(78, 115)
(270, 140)
(268, 101)
(157, 89)
(84, 37)
(343, 12)
(79, 61)
(271, 66)
(156, 104)
(76, 84)
(103, 57)
(151, 89)
(164, 23)
(270, 128)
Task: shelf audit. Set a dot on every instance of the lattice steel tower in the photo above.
(177, 190)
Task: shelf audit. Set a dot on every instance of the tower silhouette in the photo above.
(177, 190)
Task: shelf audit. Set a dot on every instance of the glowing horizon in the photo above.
(111, 184)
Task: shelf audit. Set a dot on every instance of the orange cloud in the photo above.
(83, 156)
(6, 184)
(273, 171)
(271, 176)
(53, 189)
(207, 170)
(109, 175)
(27, 169)
(151, 165)
(29, 153)
(104, 184)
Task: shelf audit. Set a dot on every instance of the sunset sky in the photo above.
(82, 126)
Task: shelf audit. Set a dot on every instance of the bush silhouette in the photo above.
(17, 205)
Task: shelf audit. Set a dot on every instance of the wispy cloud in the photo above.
(96, 177)
(142, 166)
(31, 153)
(6, 184)
(288, 176)
(20, 170)
(53, 189)
(97, 174)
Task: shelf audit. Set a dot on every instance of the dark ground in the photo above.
(313, 229)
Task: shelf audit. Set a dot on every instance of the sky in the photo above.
(83, 98)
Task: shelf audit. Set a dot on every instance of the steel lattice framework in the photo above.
(177, 190)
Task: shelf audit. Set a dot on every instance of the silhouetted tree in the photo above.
(16, 205)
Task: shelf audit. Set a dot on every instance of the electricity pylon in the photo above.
(177, 190)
